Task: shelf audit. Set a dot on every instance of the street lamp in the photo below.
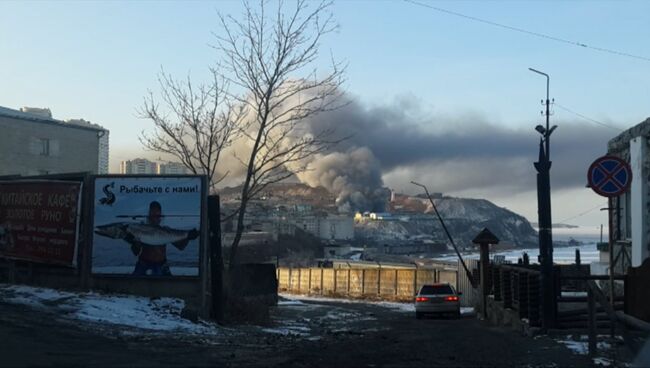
(543, 167)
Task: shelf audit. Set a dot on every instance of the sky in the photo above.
(447, 83)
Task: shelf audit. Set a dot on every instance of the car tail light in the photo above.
(421, 299)
(451, 298)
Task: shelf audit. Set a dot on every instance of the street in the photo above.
(302, 333)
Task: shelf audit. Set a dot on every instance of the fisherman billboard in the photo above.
(147, 226)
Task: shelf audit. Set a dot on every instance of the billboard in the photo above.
(39, 221)
(147, 226)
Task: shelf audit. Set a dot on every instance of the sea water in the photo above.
(587, 236)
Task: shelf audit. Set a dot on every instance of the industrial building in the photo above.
(34, 143)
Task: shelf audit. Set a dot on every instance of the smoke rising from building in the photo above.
(354, 176)
(450, 154)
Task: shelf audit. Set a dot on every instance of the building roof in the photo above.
(622, 140)
(16, 114)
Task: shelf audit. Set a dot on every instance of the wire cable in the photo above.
(531, 33)
(582, 213)
(587, 118)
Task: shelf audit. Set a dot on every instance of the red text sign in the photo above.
(39, 221)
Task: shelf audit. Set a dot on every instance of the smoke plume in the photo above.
(353, 176)
(467, 153)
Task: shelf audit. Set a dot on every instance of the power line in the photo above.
(587, 118)
(531, 33)
(583, 213)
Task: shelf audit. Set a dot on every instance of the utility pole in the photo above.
(543, 167)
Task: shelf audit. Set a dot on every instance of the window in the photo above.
(436, 290)
(45, 147)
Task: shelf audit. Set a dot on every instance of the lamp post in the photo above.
(543, 167)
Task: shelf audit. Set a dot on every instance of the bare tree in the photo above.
(271, 59)
(194, 125)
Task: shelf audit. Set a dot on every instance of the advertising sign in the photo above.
(39, 221)
(147, 226)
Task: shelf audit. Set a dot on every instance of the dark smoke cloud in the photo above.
(453, 154)
(354, 176)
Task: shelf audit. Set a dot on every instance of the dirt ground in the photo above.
(301, 334)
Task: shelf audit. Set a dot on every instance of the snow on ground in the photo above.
(400, 307)
(160, 314)
(602, 361)
(580, 345)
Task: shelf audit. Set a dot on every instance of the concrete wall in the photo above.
(633, 224)
(71, 149)
(374, 283)
(336, 228)
(639, 200)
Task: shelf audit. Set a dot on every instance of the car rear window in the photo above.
(436, 289)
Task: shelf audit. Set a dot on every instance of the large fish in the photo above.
(144, 233)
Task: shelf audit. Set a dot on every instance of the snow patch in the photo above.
(290, 303)
(578, 347)
(402, 307)
(289, 330)
(602, 361)
(160, 314)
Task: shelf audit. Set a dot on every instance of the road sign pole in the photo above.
(610, 176)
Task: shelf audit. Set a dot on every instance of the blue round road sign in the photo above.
(609, 176)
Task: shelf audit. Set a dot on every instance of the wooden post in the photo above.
(484, 239)
(415, 281)
(290, 279)
(396, 284)
(299, 278)
(335, 280)
(216, 261)
(485, 260)
(349, 272)
(309, 282)
(379, 281)
(592, 322)
(322, 273)
(363, 281)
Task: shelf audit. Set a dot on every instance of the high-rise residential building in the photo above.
(34, 143)
(172, 168)
(138, 166)
(144, 166)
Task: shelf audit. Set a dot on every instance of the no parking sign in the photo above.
(609, 176)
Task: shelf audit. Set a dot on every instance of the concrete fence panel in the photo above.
(405, 283)
(425, 277)
(356, 282)
(294, 279)
(316, 274)
(447, 276)
(342, 281)
(305, 279)
(388, 282)
(283, 279)
(371, 282)
(328, 281)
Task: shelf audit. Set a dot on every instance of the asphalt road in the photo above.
(301, 334)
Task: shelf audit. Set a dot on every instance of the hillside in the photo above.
(464, 218)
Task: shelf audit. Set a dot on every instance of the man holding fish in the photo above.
(149, 241)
